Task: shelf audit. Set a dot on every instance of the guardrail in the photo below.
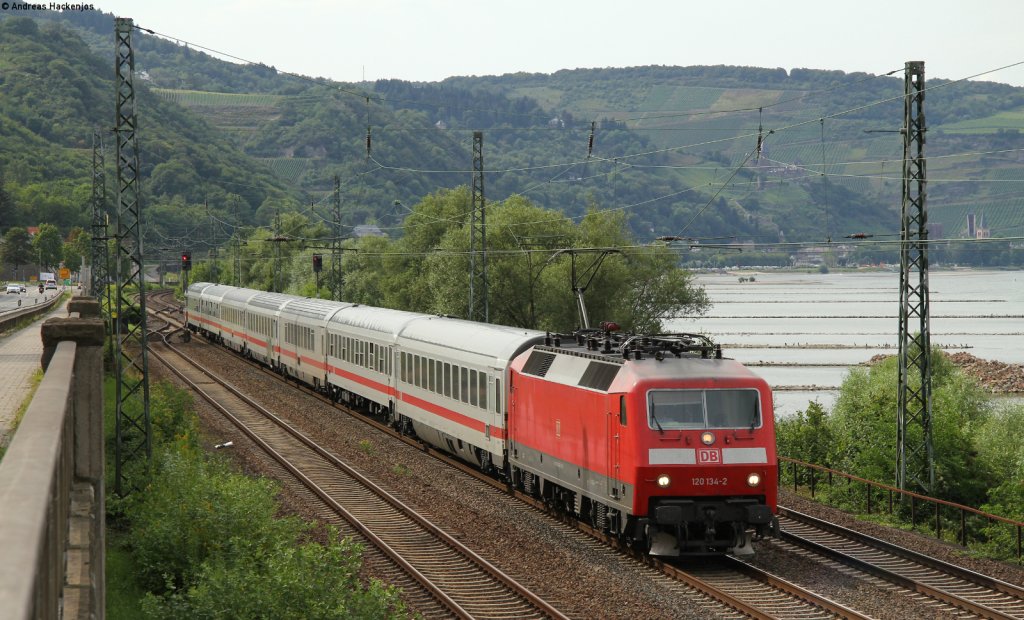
(973, 526)
(10, 317)
(51, 480)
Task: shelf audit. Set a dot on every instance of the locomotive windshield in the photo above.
(700, 409)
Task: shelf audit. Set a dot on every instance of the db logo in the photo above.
(709, 456)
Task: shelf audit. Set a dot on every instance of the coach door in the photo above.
(615, 422)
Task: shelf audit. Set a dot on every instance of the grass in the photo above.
(123, 592)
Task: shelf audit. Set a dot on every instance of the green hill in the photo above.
(226, 145)
(55, 93)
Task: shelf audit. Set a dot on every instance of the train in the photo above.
(658, 440)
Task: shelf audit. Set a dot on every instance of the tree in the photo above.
(17, 248)
(529, 280)
(7, 209)
(76, 248)
(48, 245)
(863, 423)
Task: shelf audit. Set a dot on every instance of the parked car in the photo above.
(14, 288)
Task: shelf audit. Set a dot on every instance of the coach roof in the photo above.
(492, 341)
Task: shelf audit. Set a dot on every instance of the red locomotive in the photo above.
(657, 439)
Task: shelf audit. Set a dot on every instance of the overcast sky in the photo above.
(429, 40)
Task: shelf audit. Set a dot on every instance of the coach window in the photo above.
(430, 375)
(622, 410)
(464, 384)
(481, 385)
(447, 379)
(455, 382)
(497, 395)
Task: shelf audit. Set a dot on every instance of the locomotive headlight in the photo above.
(707, 438)
(753, 480)
(664, 481)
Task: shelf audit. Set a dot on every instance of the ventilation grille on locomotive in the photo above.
(538, 363)
(599, 376)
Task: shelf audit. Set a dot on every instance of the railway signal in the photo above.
(186, 261)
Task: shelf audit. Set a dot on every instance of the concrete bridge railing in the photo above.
(51, 480)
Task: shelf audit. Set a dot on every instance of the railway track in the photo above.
(766, 595)
(945, 587)
(739, 590)
(464, 584)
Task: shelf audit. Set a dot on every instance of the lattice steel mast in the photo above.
(478, 309)
(335, 274)
(99, 251)
(915, 468)
(132, 422)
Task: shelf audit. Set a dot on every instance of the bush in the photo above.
(275, 578)
(859, 436)
(806, 435)
(206, 544)
(194, 509)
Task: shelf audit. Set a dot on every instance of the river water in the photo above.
(803, 331)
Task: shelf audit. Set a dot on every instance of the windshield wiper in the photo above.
(654, 419)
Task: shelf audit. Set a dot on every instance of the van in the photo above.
(51, 284)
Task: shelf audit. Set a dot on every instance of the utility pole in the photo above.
(238, 259)
(915, 468)
(212, 253)
(478, 310)
(335, 275)
(277, 250)
(132, 421)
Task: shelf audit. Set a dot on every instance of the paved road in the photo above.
(9, 301)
